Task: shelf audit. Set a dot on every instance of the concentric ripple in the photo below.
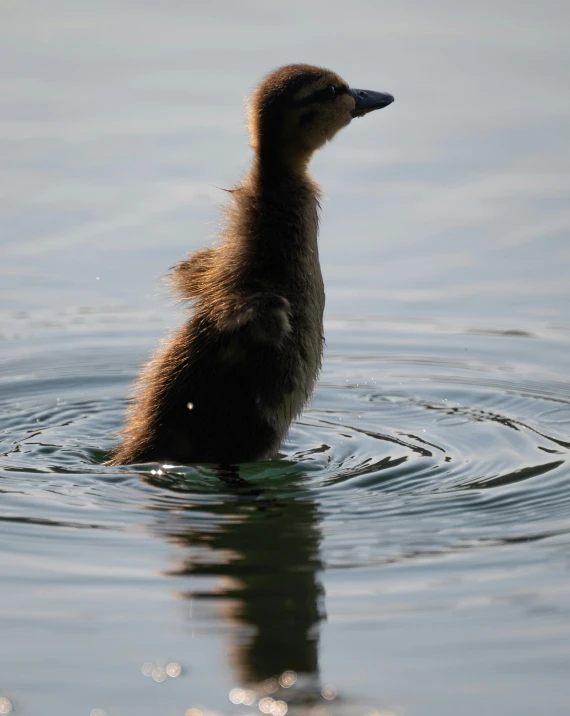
(472, 429)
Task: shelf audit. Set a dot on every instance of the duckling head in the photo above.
(298, 108)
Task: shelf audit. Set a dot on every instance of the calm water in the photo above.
(408, 552)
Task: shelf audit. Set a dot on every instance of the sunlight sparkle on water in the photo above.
(161, 673)
(173, 669)
(287, 679)
(329, 692)
(268, 705)
(147, 668)
(249, 697)
(236, 696)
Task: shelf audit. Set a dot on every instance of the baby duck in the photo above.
(227, 386)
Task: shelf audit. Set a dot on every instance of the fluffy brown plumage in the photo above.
(227, 386)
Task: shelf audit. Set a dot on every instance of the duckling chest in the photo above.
(299, 279)
(297, 361)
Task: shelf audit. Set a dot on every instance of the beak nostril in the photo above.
(362, 93)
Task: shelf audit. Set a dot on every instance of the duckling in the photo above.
(226, 387)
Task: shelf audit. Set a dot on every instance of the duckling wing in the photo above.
(264, 315)
(188, 278)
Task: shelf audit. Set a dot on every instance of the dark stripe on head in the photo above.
(323, 95)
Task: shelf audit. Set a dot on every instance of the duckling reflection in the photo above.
(265, 552)
(227, 386)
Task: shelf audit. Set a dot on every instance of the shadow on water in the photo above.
(263, 549)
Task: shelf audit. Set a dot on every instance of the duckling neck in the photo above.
(278, 166)
(279, 210)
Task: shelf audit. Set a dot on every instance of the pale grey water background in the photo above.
(423, 544)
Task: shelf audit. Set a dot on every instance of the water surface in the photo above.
(408, 550)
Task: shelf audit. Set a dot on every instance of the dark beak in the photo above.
(368, 101)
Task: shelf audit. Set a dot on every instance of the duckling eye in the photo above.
(331, 90)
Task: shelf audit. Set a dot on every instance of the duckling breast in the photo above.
(295, 364)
